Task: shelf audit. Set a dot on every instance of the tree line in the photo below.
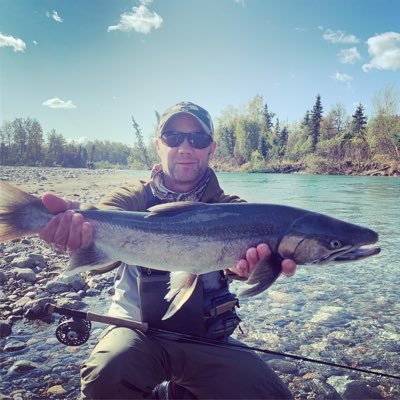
(22, 142)
(255, 139)
(249, 139)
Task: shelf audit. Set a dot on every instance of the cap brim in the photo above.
(206, 129)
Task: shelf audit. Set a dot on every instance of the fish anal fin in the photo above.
(263, 276)
(182, 285)
(86, 259)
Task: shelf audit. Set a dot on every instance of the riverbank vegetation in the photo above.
(252, 139)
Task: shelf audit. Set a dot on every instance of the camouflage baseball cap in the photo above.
(186, 107)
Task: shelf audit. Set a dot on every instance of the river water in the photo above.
(346, 313)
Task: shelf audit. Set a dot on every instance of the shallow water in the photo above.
(348, 313)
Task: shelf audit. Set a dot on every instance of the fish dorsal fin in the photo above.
(171, 209)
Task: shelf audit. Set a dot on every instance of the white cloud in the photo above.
(10, 41)
(339, 37)
(141, 20)
(35, 42)
(241, 2)
(349, 56)
(54, 15)
(58, 103)
(384, 50)
(341, 77)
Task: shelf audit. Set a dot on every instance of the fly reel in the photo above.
(73, 331)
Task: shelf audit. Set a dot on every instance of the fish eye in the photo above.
(335, 244)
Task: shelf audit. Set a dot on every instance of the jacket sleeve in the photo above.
(126, 198)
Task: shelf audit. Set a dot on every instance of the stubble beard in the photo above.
(188, 176)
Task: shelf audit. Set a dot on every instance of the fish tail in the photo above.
(182, 285)
(19, 212)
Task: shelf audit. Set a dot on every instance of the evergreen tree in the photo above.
(316, 117)
(226, 142)
(264, 146)
(139, 152)
(306, 120)
(359, 122)
(268, 116)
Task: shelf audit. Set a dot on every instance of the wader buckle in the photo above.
(221, 308)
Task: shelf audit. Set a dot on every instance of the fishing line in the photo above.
(214, 342)
(144, 327)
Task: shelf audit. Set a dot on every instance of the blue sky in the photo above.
(84, 67)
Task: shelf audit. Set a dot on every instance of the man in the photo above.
(130, 364)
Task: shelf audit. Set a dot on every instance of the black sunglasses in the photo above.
(198, 140)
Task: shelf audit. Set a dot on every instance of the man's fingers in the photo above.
(288, 267)
(241, 268)
(75, 231)
(252, 257)
(62, 233)
(263, 251)
(87, 234)
(48, 232)
(54, 203)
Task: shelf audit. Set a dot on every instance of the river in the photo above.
(346, 313)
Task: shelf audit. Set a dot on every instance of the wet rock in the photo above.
(56, 390)
(14, 346)
(23, 262)
(35, 308)
(25, 274)
(76, 282)
(22, 366)
(71, 303)
(339, 382)
(324, 390)
(21, 301)
(5, 329)
(91, 292)
(64, 284)
(286, 367)
(57, 287)
(31, 295)
(73, 296)
(13, 318)
(362, 391)
(281, 297)
(3, 277)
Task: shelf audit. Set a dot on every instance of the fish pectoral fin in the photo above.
(182, 285)
(263, 276)
(87, 259)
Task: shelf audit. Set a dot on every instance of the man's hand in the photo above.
(243, 268)
(67, 230)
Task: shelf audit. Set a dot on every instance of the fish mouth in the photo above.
(350, 254)
(357, 254)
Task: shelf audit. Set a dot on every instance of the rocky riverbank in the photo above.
(34, 365)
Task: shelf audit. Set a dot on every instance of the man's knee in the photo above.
(95, 376)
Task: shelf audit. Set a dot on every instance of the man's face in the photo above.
(184, 165)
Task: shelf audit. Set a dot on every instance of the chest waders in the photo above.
(208, 312)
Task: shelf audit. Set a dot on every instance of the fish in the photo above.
(189, 239)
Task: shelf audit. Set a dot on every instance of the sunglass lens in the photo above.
(172, 139)
(200, 140)
(196, 140)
